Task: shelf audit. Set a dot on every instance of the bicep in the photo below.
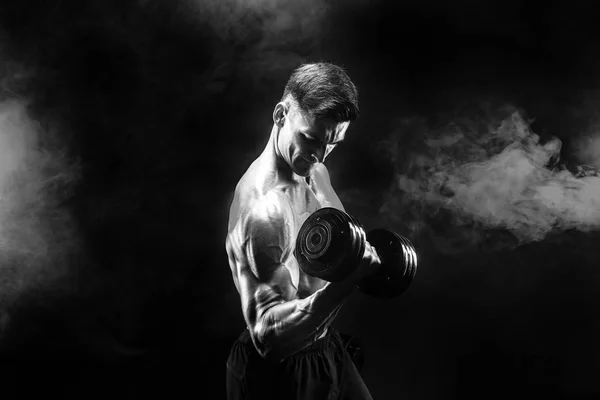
(265, 280)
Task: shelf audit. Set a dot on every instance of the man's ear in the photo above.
(280, 113)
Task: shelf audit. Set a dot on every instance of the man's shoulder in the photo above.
(262, 209)
(263, 221)
(267, 228)
(272, 206)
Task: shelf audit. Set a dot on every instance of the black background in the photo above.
(166, 104)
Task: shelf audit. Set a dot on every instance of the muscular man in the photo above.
(288, 350)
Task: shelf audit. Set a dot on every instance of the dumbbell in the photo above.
(331, 243)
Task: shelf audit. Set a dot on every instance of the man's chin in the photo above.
(303, 169)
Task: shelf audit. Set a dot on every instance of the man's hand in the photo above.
(368, 263)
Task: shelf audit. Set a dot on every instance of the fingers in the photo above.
(369, 262)
(371, 254)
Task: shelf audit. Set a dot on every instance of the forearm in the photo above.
(286, 328)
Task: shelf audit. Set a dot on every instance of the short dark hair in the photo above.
(324, 90)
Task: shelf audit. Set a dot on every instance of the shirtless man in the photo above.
(289, 351)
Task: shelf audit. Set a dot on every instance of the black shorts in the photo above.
(322, 371)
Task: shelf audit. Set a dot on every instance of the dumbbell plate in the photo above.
(329, 244)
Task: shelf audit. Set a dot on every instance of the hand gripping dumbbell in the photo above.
(331, 243)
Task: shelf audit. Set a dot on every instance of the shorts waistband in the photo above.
(318, 346)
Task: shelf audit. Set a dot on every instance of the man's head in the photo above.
(317, 106)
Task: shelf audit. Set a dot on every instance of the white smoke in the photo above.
(587, 147)
(486, 173)
(36, 231)
(270, 36)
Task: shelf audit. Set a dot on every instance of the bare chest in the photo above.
(316, 196)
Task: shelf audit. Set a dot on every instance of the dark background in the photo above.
(163, 105)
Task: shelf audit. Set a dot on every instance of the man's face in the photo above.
(305, 140)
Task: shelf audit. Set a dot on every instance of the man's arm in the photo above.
(279, 328)
(322, 173)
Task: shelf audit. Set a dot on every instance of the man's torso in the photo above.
(304, 199)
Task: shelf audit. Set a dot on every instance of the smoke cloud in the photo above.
(587, 145)
(37, 233)
(270, 37)
(588, 149)
(483, 175)
(237, 19)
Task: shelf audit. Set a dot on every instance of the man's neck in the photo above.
(280, 166)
